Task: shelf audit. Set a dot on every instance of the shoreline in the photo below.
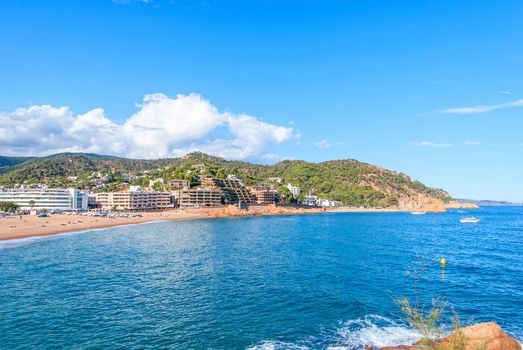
(16, 227)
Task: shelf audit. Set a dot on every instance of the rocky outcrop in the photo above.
(421, 202)
(460, 205)
(485, 336)
(481, 336)
(257, 210)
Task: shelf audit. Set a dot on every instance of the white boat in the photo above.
(417, 212)
(469, 220)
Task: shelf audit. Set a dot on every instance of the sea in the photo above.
(319, 281)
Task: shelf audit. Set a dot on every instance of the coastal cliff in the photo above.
(421, 202)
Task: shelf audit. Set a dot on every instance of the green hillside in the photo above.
(349, 181)
(9, 163)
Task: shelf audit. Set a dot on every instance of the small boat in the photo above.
(469, 220)
(417, 212)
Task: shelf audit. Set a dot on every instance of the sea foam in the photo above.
(373, 330)
(355, 334)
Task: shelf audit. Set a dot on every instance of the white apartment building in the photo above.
(294, 190)
(310, 200)
(45, 198)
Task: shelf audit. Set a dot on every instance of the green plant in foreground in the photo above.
(425, 320)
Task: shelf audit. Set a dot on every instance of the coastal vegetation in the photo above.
(348, 181)
(427, 321)
(8, 207)
(424, 320)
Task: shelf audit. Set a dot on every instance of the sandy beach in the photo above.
(15, 227)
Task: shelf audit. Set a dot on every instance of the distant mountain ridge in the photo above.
(9, 163)
(348, 181)
(490, 203)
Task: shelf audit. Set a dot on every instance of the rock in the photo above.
(481, 336)
(421, 202)
(484, 336)
(460, 205)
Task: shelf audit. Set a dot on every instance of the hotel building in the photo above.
(265, 196)
(134, 200)
(198, 197)
(45, 198)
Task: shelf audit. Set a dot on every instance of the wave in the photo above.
(17, 242)
(278, 345)
(373, 330)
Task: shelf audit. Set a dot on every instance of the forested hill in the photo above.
(349, 181)
(11, 161)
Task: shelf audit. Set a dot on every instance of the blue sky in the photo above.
(429, 88)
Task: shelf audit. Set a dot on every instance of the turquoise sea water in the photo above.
(322, 281)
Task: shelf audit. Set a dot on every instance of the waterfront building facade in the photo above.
(45, 198)
(326, 203)
(198, 197)
(265, 196)
(134, 200)
(310, 200)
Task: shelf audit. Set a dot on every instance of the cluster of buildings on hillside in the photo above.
(210, 192)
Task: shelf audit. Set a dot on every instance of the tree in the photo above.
(136, 182)
(32, 204)
(220, 174)
(9, 206)
(157, 186)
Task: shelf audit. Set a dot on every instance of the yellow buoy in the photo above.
(443, 262)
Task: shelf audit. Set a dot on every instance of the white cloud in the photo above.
(162, 127)
(483, 108)
(432, 144)
(323, 144)
(472, 143)
(505, 92)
